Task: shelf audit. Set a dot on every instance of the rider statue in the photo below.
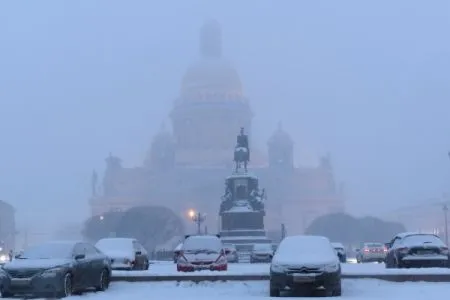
(242, 150)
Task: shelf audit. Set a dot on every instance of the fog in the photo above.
(366, 81)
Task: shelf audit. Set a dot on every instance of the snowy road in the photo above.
(354, 289)
(168, 268)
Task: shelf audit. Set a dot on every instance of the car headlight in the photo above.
(331, 268)
(4, 258)
(277, 268)
(52, 272)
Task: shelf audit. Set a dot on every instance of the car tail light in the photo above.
(366, 250)
(403, 250)
(444, 250)
(385, 249)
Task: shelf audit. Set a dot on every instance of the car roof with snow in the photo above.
(404, 234)
(194, 242)
(306, 249)
(113, 243)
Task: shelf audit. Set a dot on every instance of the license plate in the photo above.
(424, 252)
(20, 281)
(303, 278)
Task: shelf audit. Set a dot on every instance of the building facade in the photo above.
(185, 166)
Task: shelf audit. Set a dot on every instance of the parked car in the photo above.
(232, 255)
(340, 251)
(305, 262)
(176, 252)
(125, 253)
(371, 252)
(202, 252)
(56, 269)
(417, 250)
(261, 253)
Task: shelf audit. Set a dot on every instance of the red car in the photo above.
(202, 252)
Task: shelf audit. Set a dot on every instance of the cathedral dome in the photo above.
(212, 77)
(215, 76)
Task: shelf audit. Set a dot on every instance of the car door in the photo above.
(80, 267)
(95, 263)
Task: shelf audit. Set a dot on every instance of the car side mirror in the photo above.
(138, 252)
(80, 256)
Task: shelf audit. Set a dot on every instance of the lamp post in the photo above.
(445, 209)
(198, 218)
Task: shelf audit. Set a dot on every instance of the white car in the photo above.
(202, 252)
(371, 252)
(125, 253)
(307, 262)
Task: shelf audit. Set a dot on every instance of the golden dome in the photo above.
(212, 77)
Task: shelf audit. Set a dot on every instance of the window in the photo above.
(79, 249)
(91, 250)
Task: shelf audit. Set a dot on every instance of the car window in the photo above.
(91, 250)
(79, 249)
(396, 242)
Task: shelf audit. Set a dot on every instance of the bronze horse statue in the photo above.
(241, 158)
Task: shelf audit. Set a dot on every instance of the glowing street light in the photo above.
(198, 218)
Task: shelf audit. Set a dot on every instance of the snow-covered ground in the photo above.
(352, 288)
(169, 268)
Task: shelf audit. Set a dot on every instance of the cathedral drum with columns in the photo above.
(186, 161)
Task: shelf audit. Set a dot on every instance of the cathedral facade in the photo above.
(186, 166)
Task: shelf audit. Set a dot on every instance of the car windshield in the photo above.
(48, 251)
(262, 248)
(202, 244)
(419, 239)
(374, 245)
(115, 244)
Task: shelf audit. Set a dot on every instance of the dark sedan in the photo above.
(56, 269)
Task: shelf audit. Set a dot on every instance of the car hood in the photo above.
(199, 257)
(35, 263)
(305, 261)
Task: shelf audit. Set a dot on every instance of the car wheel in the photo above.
(6, 294)
(103, 281)
(146, 265)
(337, 292)
(274, 291)
(67, 286)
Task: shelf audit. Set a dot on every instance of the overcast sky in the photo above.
(367, 81)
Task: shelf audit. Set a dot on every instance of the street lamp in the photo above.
(198, 218)
(445, 209)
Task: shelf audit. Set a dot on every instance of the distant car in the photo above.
(417, 250)
(232, 255)
(177, 252)
(340, 251)
(125, 253)
(202, 252)
(56, 269)
(371, 252)
(306, 262)
(261, 253)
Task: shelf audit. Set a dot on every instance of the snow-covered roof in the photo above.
(305, 250)
(195, 242)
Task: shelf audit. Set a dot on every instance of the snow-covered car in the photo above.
(125, 253)
(261, 253)
(340, 252)
(176, 252)
(202, 252)
(415, 250)
(232, 254)
(305, 262)
(56, 269)
(371, 252)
